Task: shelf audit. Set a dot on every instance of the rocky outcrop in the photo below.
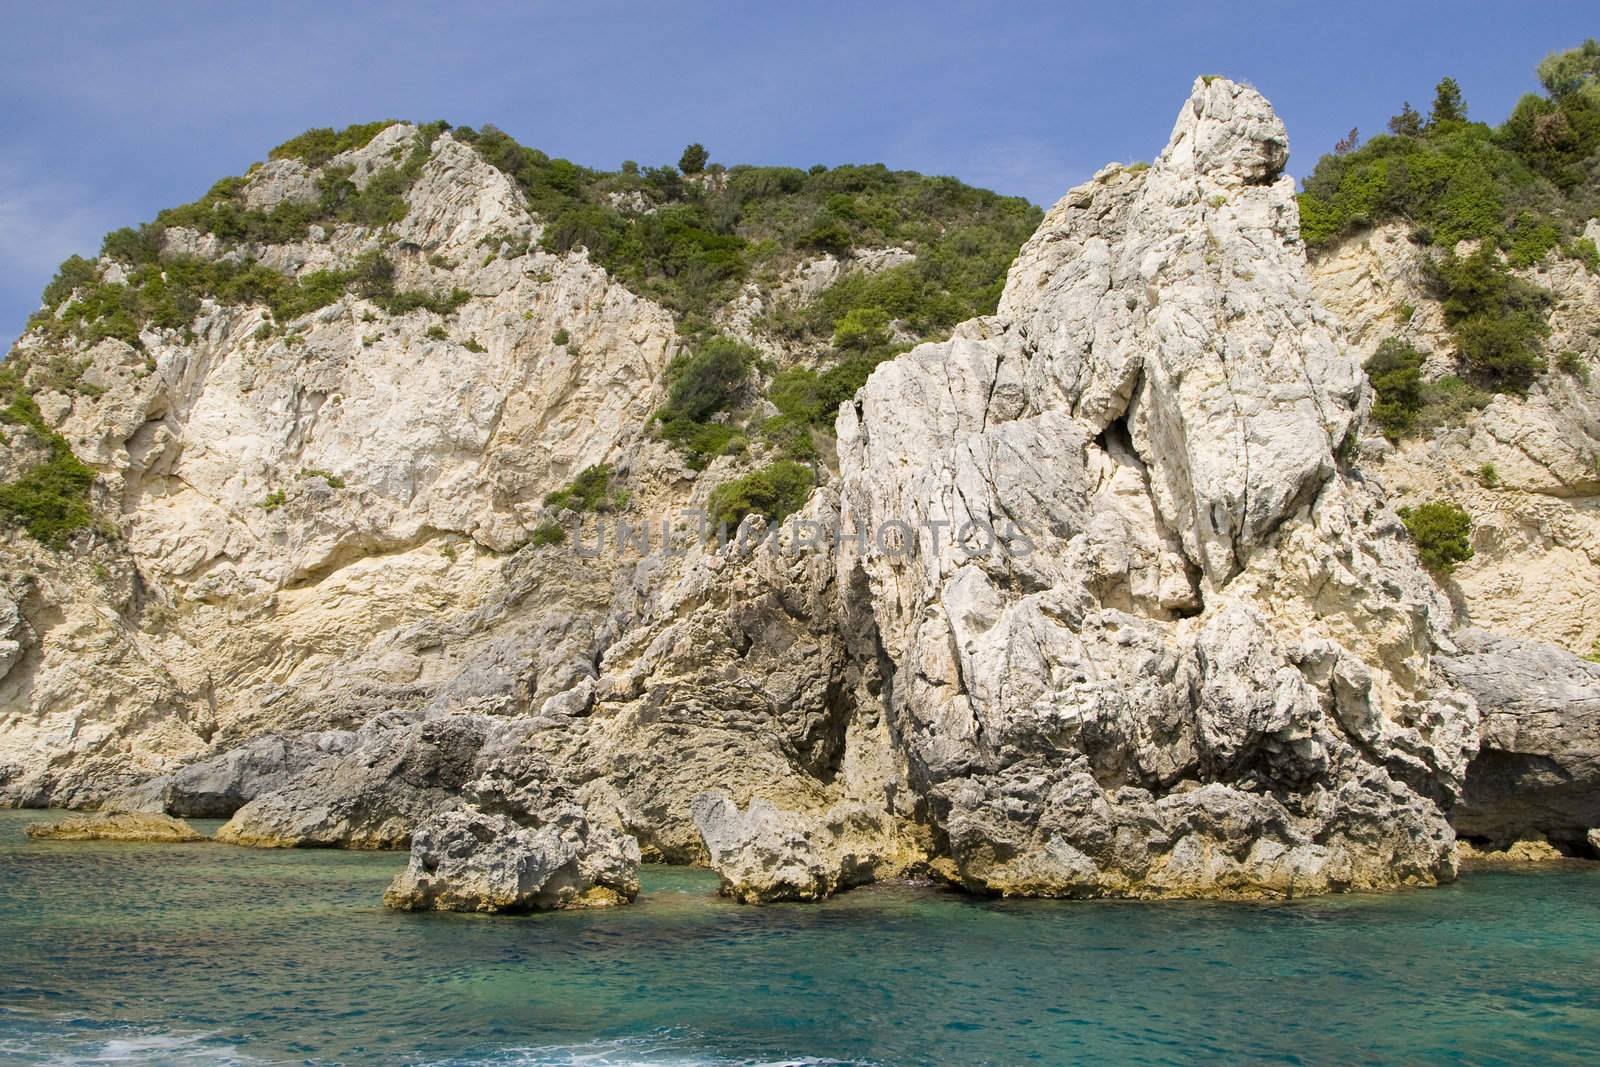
(394, 775)
(764, 853)
(218, 786)
(467, 860)
(1525, 468)
(14, 635)
(1538, 767)
(117, 826)
(1151, 634)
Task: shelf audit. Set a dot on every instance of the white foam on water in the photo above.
(673, 1048)
(68, 1046)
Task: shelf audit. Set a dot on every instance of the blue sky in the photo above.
(109, 112)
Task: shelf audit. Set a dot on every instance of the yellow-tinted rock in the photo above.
(117, 826)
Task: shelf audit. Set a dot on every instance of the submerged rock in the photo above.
(470, 860)
(117, 826)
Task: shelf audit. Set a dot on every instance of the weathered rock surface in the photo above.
(764, 853)
(467, 860)
(1538, 767)
(1125, 616)
(1156, 639)
(1536, 527)
(373, 795)
(218, 786)
(117, 826)
(1523, 850)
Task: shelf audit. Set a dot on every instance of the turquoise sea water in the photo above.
(209, 953)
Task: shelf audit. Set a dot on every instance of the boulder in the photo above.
(765, 853)
(469, 860)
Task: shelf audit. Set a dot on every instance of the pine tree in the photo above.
(693, 160)
(1448, 106)
(1406, 124)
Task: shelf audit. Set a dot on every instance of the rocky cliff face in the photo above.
(1209, 671)
(1098, 601)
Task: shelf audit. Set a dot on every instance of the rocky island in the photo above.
(417, 490)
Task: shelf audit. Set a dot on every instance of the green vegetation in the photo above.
(688, 244)
(1395, 371)
(694, 159)
(547, 533)
(316, 146)
(1570, 362)
(1526, 187)
(1497, 319)
(776, 491)
(702, 240)
(166, 293)
(1523, 190)
(1489, 476)
(1442, 532)
(1404, 404)
(701, 386)
(589, 491)
(51, 499)
(274, 500)
(333, 480)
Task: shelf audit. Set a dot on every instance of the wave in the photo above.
(70, 1043)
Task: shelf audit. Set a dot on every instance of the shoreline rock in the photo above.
(134, 826)
(470, 860)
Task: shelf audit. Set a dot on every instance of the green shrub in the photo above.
(861, 328)
(1489, 476)
(589, 491)
(1450, 401)
(51, 499)
(1442, 532)
(561, 337)
(274, 500)
(437, 333)
(316, 146)
(1570, 362)
(1395, 371)
(333, 480)
(547, 533)
(1497, 319)
(776, 491)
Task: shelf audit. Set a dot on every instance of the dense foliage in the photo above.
(1526, 186)
(1522, 191)
(51, 499)
(1442, 532)
(690, 240)
(776, 491)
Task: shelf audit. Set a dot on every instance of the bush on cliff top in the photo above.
(1527, 186)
